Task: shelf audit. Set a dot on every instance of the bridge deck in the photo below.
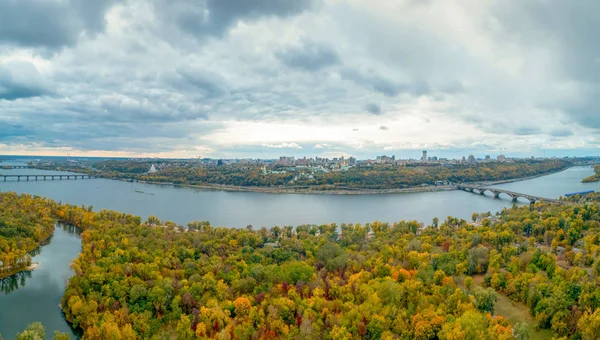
(47, 176)
(514, 195)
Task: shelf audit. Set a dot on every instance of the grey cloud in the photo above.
(383, 127)
(373, 108)
(210, 85)
(384, 85)
(308, 56)
(525, 131)
(8, 130)
(572, 45)
(561, 132)
(21, 80)
(50, 24)
(215, 17)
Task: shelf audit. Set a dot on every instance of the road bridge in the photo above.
(35, 177)
(11, 167)
(497, 192)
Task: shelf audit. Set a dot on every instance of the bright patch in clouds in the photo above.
(249, 78)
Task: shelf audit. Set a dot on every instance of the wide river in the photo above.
(38, 295)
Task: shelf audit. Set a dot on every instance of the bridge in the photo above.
(46, 177)
(10, 167)
(513, 195)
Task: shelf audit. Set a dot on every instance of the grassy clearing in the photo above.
(514, 311)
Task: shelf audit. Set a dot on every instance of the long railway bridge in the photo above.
(513, 195)
(35, 177)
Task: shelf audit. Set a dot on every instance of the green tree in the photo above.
(521, 331)
(485, 299)
(34, 331)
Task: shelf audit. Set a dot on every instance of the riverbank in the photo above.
(307, 190)
(33, 266)
(338, 191)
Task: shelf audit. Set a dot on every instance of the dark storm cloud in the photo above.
(50, 24)
(308, 56)
(21, 80)
(373, 108)
(215, 17)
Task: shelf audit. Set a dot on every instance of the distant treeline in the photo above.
(359, 177)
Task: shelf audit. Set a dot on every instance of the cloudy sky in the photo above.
(264, 78)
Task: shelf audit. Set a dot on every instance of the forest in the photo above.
(593, 178)
(372, 177)
(404, 280)
(25, 223)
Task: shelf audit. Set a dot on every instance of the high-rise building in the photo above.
(424, 158)
(472, 159)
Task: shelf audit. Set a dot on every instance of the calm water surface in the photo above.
(34, 296)
(239, 209)
(37, 299)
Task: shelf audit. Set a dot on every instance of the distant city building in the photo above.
(472, 159)
(424, 158)
(385, 160)
(501, 158)
(286, 160)
(152, 169)
(488, 158)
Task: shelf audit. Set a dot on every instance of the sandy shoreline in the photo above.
(33, 266)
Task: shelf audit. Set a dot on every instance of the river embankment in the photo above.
(339, 190)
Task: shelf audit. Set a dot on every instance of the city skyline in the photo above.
(231, 78)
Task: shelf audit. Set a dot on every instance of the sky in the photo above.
(268, 78)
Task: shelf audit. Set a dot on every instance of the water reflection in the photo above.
(14, 282)
(34, 296)
(17, 281)
(69, 228)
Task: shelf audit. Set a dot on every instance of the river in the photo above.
(34, 296)
(38, 298)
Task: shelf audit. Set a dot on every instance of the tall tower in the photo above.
(424, 158)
